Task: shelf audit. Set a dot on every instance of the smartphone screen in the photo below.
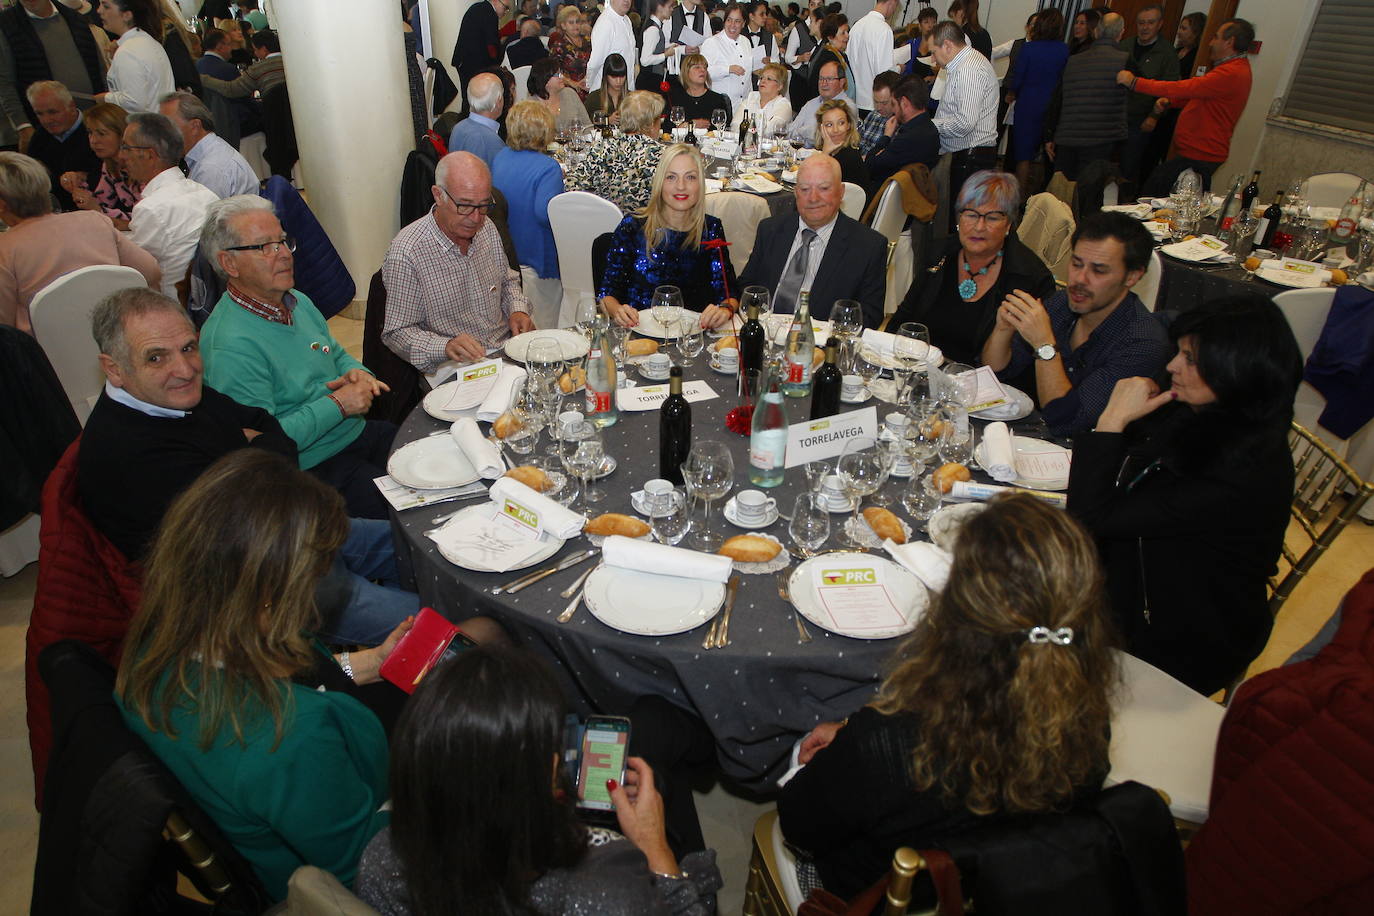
(605, 743)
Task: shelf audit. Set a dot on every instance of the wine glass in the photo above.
(862, 470)
(669, 517)
(664, 305)
(921, 435)
(544, 361)
(690, 342)
(865, 368)
(582, 456)
(846, 319)
(921, 498)
(755, 296)
(956, 442)
(810, 524)
(678, 116)
(910, 348)
(1242, 228)
(954, 382)
(588, 315)
(890, 449)
(719, 120)
(713, 470)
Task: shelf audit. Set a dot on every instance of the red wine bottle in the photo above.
(674, 429)
(825, 385)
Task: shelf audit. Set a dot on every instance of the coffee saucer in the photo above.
(732, 516)
(646, 373)
(863, 396)
(836, 506)
(717, 367)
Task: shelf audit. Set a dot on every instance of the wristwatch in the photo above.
(1046, 352)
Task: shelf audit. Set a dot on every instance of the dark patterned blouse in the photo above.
(571, 59)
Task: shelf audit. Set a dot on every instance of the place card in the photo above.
(651, 397)
(1202, 248)
(855, 596)
(816, 440)
(472, 384)
(401, 496)
(987, 390)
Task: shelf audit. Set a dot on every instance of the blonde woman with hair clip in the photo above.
(998, 704)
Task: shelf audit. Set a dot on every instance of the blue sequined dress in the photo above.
(631, 273)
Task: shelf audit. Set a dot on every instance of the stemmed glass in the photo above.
(678, 116)
(910, 349)
(862, 469)
(529, 419)
(551, 401)
(956, 446)
(712, 470)
(921, 435)
(846, 319)
(670, 518)
(889, 450)
(582, 456)
(921, 498)
(544, 361)
(664, 306)
(690, 342)
(1242, 228)
(810, 524)
(719, 120)
(756, 296)
(588, 316)
(865, 368)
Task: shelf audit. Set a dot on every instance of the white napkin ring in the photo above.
(1060, 637)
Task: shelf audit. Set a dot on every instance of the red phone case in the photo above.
(419, 650)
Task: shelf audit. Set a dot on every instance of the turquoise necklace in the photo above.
(968, 288)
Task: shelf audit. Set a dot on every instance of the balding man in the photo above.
(451, 294)
(1092, 107)
(477, 133)
(211, 160)
(167, 219)
(820, 249)
(62, 143)
(42, 40)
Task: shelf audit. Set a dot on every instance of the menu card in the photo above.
(855, 596)
(987, 390)
(1202, 248)
(403, 497)
(495, 541)
(1051, 465)
(472, 384)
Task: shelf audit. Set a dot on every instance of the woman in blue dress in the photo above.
(1033, 79)
(671, 242)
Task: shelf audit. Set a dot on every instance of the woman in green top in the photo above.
(220, 673)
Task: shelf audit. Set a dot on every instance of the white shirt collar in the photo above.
(823, 233)
(152, 410)
(53, 7)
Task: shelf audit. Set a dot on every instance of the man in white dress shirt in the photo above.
(167, 220)
(210, 158)
(831, 83)
(612, 34)
(967, 117)
(730, 58)
(870, 51)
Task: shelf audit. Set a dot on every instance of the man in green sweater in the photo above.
(266, 345)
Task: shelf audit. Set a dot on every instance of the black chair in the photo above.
(281, 153)
(117, 826)
(601, 246)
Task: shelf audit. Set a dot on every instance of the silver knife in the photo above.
(723, 636)
(529, 579)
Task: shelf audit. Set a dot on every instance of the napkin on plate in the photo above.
(554, 519)
(483, 455)
(999, 458)
(879, 342)
(929, 563)
(498, 398)
(1139, 211)
(646, 556)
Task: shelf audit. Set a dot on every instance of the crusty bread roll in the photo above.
(615, 523)
(947, 474)
(572, 380)
(749, 548)
(817, 358)
(1339, 277)
(884, 524)
(641, 346)
(532, 477)
(505, 425)
(1252, 264)
(726, 343)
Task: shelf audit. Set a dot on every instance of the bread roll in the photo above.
(505, 425)
(572, 380)
(1252, 264)
(948, 474)
(749, 548)
(1339, 277)
(641, 346)
(615, 523)
(726, 343)
(532, 477)
(884, 524)
(817, 358)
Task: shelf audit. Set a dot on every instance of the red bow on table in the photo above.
(720, 245)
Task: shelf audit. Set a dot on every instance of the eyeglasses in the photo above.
(991, 218)
(829, 79)
(465, 208)
(268, 248)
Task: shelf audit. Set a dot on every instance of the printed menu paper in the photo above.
(1051, 465)
(981, 492)
(819, 439)
(855, 596)
(651, 397)
(988, 391)
(403, 497)
(493, 541)
(472, 384)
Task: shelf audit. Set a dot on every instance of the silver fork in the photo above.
(572, 605)
(803, 634)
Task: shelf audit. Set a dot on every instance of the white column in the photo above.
(445, 16)
(351, 103)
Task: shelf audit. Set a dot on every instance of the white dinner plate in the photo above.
(647, 604)
(549, 545)
(907, 592)
(649, 326)
(1024, 445)
(431, 463)
(572, 345)
(434, 402)
(934, 356)
(776, 327)
(1019, 405)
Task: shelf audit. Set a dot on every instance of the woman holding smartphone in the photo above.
(484, 820)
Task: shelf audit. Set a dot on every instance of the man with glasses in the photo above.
(831, 83)
(166, 221)
(1085, 338)
(451, 293)
(266, 345)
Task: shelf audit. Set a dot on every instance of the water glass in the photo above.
(910, 349)
(755, 295)
(583, 453)
(810, 525)
(670, 517)
(815, 473)
(921, 498)
(690, 342)
(862, 469)
(544, 360)
(713, 474)
(890, 449)
(846, 319)
(956, 446)
(719, 120)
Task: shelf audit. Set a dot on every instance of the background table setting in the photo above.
(623, 615)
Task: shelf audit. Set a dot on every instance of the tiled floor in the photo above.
(727, 820)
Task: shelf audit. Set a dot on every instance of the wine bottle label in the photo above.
(1261, 228)
(1345, 228)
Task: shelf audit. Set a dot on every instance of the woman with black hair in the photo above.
(1084, 25)
(1188, 490)
(483, 819)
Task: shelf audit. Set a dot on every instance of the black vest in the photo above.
(30, 59)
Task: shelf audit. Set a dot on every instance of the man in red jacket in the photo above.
(1213, 104)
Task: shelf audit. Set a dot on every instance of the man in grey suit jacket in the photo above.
(820, 249)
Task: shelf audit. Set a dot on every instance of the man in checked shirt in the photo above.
(450, 292)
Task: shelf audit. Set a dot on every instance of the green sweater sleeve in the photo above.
(247, 378)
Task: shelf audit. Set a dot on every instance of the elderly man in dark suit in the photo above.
(820, 249)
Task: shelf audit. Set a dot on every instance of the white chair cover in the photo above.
(1331, 189)
(740, 215)
(61, 316)
(577, 218)
(853, 205)
(1148, 287)
(19, 545)
(890, 216)
(522, 82)
(252, 148)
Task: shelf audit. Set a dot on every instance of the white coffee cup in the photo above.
(656, 490)
(568, 421)
(895, 421)
(658, 364)
(728, 358)
(753, 506)
(851, 387)
(833, 491)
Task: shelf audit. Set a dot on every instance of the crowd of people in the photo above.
(233, 463)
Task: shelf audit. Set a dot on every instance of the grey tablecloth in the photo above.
(756, 696)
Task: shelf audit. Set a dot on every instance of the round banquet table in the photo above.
(757, 695)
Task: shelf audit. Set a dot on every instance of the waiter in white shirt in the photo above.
(613, 34)
(658, 58)
(689, 15)
(967, 116)
(729, 58)
(870, 51)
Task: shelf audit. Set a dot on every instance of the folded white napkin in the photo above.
(554, 519)
(485, 456)
(1139, 211)
(999, 458)
(879, 342)
(928, 562)
(646, 556)
(498, 398)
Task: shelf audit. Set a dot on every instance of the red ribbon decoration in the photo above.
(720, 245)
